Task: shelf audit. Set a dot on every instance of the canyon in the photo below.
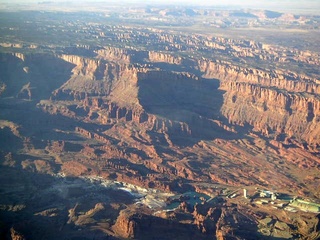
(175, 113)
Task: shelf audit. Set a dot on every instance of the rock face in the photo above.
(110, 87)
(16, 235)
(288, 81)
(157, 120)
(101, 140)
(272, 103)
(32, 76)
(124, 100)
(142, 226)
(165, 58)
(271, 111)
(140, 94)
(208, 222)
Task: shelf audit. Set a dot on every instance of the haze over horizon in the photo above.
(272, 4)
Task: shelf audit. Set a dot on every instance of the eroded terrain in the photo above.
(136, 131)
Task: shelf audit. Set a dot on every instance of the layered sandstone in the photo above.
(271, 102)
(97, 137)
(164, 57)
(270, 111)
(132, 225)
(288, 81)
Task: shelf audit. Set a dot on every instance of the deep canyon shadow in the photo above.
(180, 98)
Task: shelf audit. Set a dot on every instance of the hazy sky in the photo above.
(195, 2)
(265, 4)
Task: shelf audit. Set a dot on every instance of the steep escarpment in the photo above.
(111, 128)
(271, 111)
(271, 102)
(139, 115)
(164, 57)
(93, 77)
(181, 97)
(164, 101)
(122, 55)
(31, 76)
(205, 221)
(109, 88)
(134, 225)
(115, 54)
(288, 81)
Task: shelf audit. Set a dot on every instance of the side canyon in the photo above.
(182, 113)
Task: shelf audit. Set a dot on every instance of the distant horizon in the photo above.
(293, 6)
(295, 3)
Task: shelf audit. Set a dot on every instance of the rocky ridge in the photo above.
(123, 117)
(297, 94)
